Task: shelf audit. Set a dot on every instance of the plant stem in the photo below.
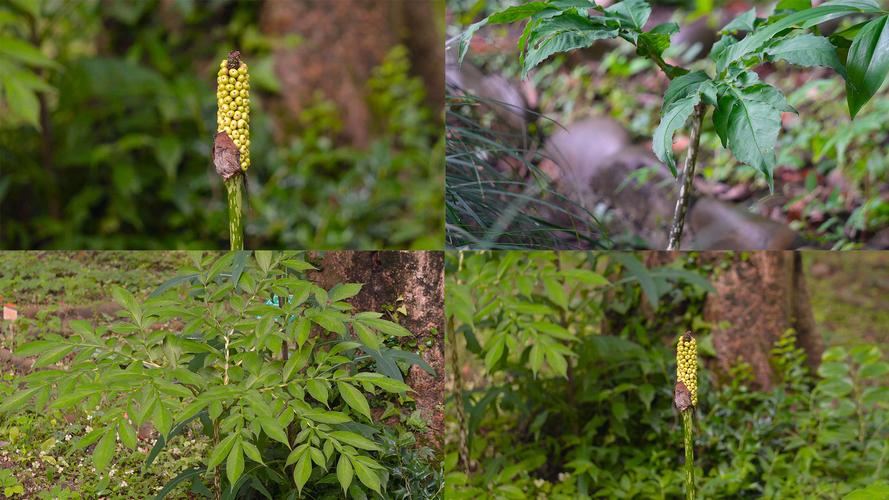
(234, 187)
(688, 178)
(689, 454)
(462, 424)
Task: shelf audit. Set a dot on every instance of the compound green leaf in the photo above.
(318, 390)
(744, 22)
(867, 63)
(220, 451)
(807, 50)
(25, 52)
(251, 451)
(366, 336)
(508, 15)
(234, 465)
(553, 330)
(671, 121)
(495, 351)
(803, 19)
(16, 400)
(563, 33)
(631, 14)
(367, 476)
(127, 433)
(386, 327)
(104, 449)
(274, 429)
(302, 471)
(873, 370)
(22, 101)
(556, 292)
(748, 124)
(344, 472)
(586, 276)
(36, 347)
(355, 440)
(344, 291)
(354, 398)
(53, 355)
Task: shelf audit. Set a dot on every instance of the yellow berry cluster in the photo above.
(233, 107)
(687, 365)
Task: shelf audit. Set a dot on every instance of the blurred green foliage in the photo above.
(593, 415)
(107, 115)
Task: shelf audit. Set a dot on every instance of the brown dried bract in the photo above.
(226, 157)
(234, 59)
(681, 397)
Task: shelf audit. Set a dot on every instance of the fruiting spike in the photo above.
(687, 366)
(233, 104)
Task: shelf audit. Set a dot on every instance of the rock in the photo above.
(880, 241)
(595, 163)
(582, 148)
(716, 225)
(496, 91)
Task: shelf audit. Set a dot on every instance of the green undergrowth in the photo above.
(39, 449)
(80, 278)
(568, 383)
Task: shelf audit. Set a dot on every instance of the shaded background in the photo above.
(107, 115)
(584, 121)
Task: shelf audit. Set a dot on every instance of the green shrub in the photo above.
(277, 372)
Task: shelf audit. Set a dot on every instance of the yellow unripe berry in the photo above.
(233, 111)
(687, 365)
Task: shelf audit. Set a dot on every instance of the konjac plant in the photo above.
(746, 112)
(277, 372)
(231, 147)
(566, 372)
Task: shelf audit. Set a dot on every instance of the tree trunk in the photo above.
(757, 299)
(392, 279)
(341, 42)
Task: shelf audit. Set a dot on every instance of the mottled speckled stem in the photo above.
(688, 179)
(234, 186)
(689, 454)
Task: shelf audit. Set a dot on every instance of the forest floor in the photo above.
(850, 296)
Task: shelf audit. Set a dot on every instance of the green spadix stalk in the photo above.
(685, 397)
